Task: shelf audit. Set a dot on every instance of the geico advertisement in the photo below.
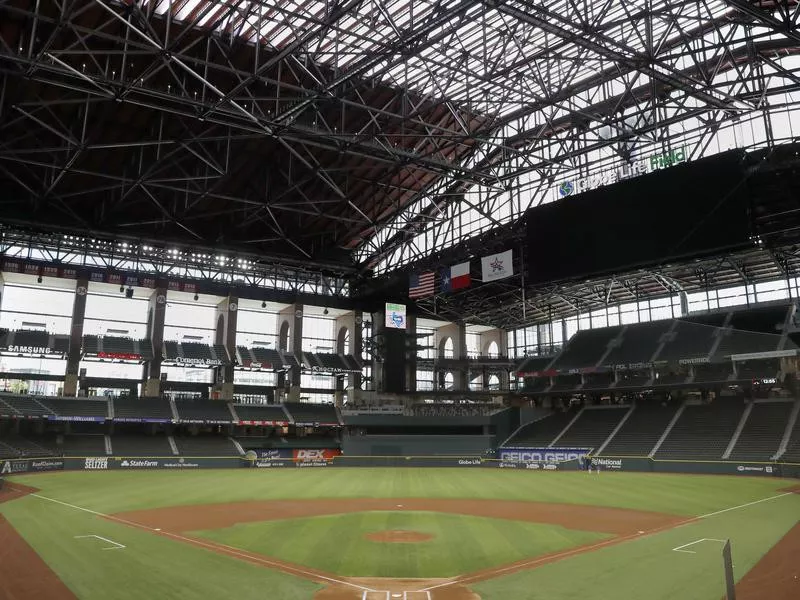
(544, 455)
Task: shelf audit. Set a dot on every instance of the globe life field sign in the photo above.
(634, 169)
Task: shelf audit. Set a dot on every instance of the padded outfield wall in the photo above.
(551, 460)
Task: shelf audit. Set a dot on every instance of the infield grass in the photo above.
(459, 544)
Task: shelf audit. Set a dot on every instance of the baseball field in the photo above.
(410, 534)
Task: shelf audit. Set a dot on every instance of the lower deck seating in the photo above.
(643, 428)
(592, 428)
(540, 433)
(28, 447)
(703, 431)
(84, 445)
(792, 453)
(7, 451)
(762, 433)
(141, 445)
(205, 445)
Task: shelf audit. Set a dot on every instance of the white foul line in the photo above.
(116, 546)
(679, 548)
(719, 512)
(228, 549)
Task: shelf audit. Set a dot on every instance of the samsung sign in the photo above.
(541, 455)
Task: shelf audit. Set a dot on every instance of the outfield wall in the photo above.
(606, 464)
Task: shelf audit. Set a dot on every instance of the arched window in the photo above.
(283, 338)
(493, 383)
(492, 350)
(448, 379)
(343, 341)
(447, 348)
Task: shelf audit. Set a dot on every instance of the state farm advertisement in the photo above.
(315, 456)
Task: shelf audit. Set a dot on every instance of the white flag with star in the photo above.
(498, 266)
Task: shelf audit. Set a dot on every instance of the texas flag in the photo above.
(455, 277)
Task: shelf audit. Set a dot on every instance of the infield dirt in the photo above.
(398, 536)
(23, 574)
(777, 575)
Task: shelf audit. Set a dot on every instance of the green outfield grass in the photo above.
(460, 543)
(117, 491)
(157, 566)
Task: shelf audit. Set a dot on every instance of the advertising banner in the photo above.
(316, 455)
(75, 418)
(269, 453)
(271, 463)
(46, 464)
(106, 463)
(608, 464)
(30, 465)
(527, 465)
(543, 455)
(140, 420)
(9, 467)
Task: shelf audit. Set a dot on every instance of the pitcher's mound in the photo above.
(398, 536)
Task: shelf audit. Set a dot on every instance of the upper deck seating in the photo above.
(534, 364)
(261, 412)
(26, 406)
(586, 348)
(76, 407)
(307, 412)
(142, 408)
(639, 343)
(688, 341)
(204, 411)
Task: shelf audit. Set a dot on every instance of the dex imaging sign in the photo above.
(540, 455)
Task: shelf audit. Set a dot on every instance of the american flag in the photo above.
(421, 284)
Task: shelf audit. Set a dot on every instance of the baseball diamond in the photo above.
(302, 534)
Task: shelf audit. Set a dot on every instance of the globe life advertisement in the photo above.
(654, 162)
